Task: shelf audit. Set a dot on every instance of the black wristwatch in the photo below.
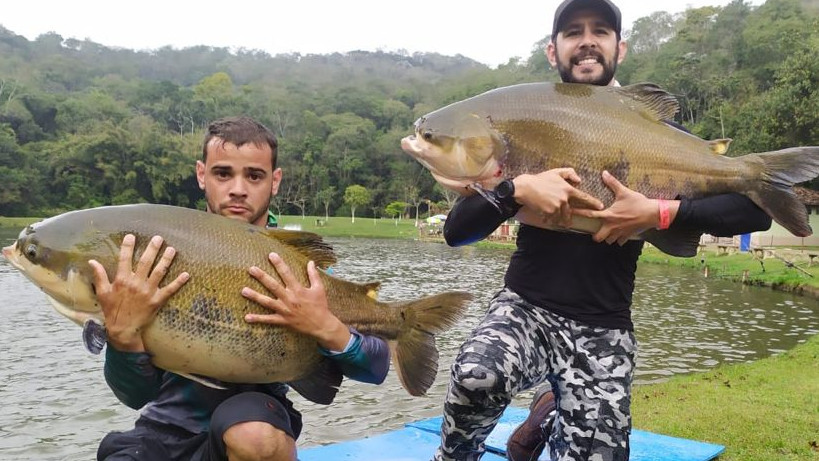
(505, 193)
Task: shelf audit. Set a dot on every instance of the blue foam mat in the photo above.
(407, 444)
(418, 441)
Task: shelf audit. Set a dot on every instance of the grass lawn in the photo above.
(761, 411)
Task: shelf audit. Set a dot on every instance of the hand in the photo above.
(629, 215)
(302, 309)
(553, 193)
(130, 302)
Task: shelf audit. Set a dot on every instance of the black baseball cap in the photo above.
(608, 9)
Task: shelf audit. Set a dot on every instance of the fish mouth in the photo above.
(10, 255)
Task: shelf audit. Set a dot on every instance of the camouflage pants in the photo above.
(518, 346)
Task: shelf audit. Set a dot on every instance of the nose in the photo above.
(238, 187)
(588, 40)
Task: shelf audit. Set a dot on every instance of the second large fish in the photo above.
(534, 127)
(201, 331)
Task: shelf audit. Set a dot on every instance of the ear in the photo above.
(550, 53)
(623, 48)
(200, 174)
(277, 179)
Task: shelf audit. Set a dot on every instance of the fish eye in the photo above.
(31, 251)
(428, 135)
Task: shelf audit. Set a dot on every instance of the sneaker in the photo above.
(528, 440)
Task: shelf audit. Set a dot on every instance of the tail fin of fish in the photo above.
(774, 193)
(415, 356)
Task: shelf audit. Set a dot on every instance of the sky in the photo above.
(488, 34)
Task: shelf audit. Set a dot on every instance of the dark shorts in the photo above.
(154, 441)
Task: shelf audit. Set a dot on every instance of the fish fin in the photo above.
(207, 382)
(719, 146)
(307, 243)
(774, 193)
(675, 242)
(660, 104)
(321, 386)
(483, 192)
(415, 356)
(371, 289)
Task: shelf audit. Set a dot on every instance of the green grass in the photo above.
(795, 273)
(761, 411)
(17, 222)
(342, 226)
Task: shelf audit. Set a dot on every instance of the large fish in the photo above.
(201, 331)
(533, 127)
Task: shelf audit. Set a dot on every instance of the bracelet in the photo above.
(665, 214)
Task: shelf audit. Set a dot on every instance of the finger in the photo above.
(268, 281)
(101, 281)
(265, 301)
(126, 254)
(580, 199)
(162, 266)
(170, 289)
(288, 279)
(271, 319)
(602, 234)
(612, 183)
(314, 276)
(565, 215)
(148, 257)
(569, 175)
(585, 212)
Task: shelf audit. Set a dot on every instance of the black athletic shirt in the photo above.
(572, 275)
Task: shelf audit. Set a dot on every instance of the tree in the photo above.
(325, 197)
(395, 210)
(355, 196)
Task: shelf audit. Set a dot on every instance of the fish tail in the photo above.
(774, 193)
(415, 356)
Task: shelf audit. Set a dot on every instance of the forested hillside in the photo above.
(84, 125)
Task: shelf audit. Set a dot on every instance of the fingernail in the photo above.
(245, 291)
(156, 240)
(253, 270)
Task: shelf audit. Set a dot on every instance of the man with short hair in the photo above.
(563, 319)
(185, 420)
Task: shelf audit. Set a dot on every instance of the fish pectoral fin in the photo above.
(719, 146)
(307, 243)
(320, 386)
(371, 289)
(213, 384)
(674, 242)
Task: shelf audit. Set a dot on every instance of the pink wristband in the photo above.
(665, 215)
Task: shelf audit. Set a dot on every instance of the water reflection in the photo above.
(56, 404)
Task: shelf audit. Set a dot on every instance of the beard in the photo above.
(609, 68)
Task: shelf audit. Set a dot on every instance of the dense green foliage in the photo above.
(84, 125)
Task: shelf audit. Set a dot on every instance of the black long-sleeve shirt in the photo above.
(578, 278)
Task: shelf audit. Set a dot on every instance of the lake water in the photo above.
(56, 405)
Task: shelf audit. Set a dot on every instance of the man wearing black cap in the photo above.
(563, 319)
